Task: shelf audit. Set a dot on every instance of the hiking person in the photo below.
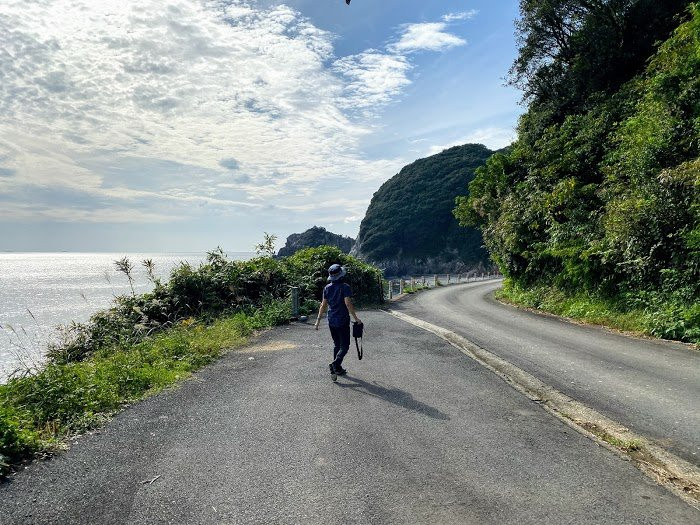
(337, 298)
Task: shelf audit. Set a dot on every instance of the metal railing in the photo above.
(395, 287)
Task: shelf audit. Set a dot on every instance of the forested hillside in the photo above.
(409, 226)
(599, 198)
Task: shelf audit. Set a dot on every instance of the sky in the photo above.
(183, 125)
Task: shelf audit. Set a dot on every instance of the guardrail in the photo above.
(395, 287)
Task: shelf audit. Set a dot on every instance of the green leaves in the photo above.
(571, 51)
(411, 217)
(601, 193)
(218, 287)
(308, 269)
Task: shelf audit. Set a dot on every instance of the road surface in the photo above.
(417, 434)
(652, 387)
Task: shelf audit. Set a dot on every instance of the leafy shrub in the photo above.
(15, 441)
(600, 195)
(215, 288)
(308, 269)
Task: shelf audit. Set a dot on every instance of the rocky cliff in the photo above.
(314, 237)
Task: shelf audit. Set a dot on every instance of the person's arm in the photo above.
(321, 310)
(351, 309)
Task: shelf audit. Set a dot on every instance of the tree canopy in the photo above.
(601, 191)
(410, 216)
(572, 52)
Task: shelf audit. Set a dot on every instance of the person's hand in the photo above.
(357, 320)
(318, 322)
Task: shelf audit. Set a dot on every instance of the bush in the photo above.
(215, 288)
(308, 269)
(15, 441)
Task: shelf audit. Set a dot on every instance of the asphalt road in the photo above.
(417, 433)
(652, 387)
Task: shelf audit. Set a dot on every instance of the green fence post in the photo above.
(295, 302)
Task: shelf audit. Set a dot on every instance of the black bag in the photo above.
(357, 329)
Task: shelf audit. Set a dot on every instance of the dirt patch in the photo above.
(274, 346)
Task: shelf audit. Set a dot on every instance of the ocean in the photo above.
(39, 291)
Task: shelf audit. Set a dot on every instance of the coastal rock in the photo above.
(314, 237)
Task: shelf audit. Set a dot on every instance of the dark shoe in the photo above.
(334, 375)
(340, 371)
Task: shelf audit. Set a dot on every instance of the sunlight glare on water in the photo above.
(39, 291)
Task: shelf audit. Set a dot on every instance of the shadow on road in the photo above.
(395, 396)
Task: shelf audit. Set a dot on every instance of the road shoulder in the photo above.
(669, 470)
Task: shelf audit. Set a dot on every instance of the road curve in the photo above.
(416, 434)
(652, 387)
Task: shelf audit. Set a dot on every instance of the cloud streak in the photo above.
(427, 36)
(462, 15)
(373, 78)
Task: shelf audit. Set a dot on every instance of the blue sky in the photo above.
(182, 125)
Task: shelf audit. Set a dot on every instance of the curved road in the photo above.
(416, 434)
(652, 387)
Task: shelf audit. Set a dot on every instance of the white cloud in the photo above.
(463, 15)
(143, 111)
(27, 212)
(197, 84)
(492, 137)
(427, 36)
(373, 78)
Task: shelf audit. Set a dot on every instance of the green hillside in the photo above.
(409, 226)
(598, 202)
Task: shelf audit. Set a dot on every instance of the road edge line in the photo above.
(672, 472)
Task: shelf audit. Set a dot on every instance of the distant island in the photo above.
(409, 227)
(313, 238)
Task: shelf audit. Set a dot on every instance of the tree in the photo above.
(267, 247)
(571, 51)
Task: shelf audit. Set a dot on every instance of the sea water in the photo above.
(39, 291)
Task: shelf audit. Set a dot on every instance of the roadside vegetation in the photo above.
(594, 212)
(665, 320)
(415, 288)
(144, 343)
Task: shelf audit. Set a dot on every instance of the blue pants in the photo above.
(341, 343)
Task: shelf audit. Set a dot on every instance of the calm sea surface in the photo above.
(39, 291)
